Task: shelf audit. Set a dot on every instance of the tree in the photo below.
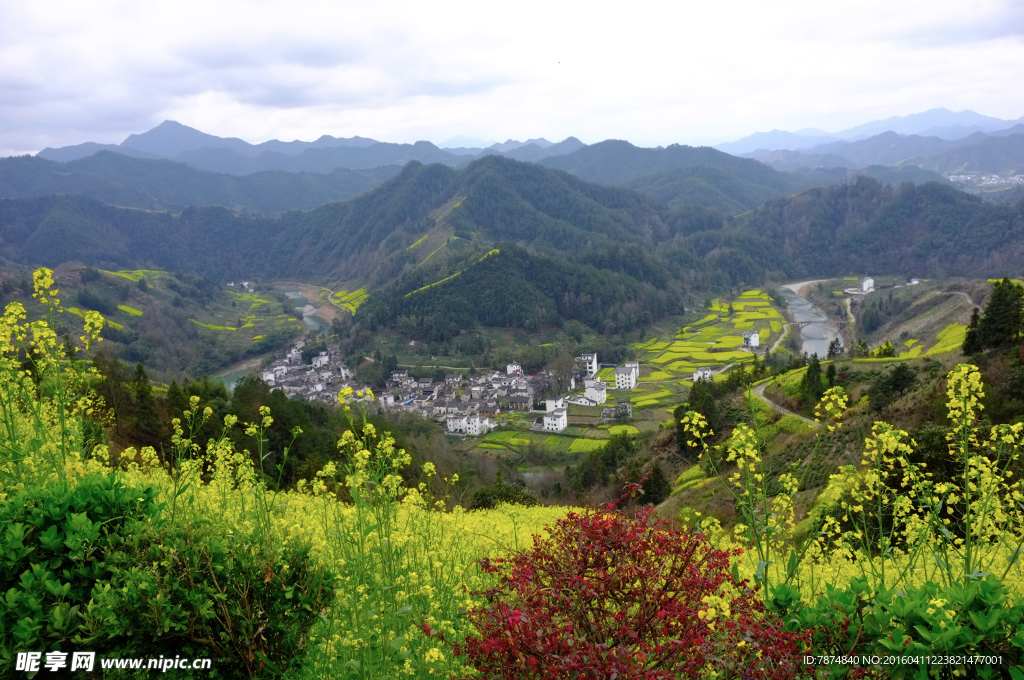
(148, 428)
(835, 349)
(1000, 325)
(811, 388)
(656, 487)
(972, 340)
(830, 375)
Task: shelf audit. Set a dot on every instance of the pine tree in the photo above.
(972, 341)
(1000, 325)
(147, 421)
(656, 487)
(810, 387)
(835, 348)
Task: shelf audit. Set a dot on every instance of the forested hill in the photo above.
(426, 213)
(867, 227)
(680, 174)
(154, 184)
(422, 243)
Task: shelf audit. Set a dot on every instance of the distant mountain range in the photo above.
(1000, 152)
(173, 166)
(173, 141)
(941, 123)
(676, 175)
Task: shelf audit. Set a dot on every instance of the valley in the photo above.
(402, 367)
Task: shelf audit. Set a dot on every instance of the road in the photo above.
(759, 391)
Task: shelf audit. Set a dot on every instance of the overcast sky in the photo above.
(650, 72)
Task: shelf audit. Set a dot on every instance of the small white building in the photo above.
(635, 367)
(703, 373)
(596, 391)
(588, 364)
(513, 369)
(321, 360)
(386, 400)
(472, 424)
(554, 404)
(751, 339)
(867, 285)
(268, 377)
(625, 378)
(556, 421)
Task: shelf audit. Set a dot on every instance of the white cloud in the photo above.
(656, 73)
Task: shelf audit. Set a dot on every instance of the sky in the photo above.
(653, 73)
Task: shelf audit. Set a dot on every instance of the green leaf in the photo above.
(270, 664)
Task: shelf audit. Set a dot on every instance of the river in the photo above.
(818, 334)
(308, 311)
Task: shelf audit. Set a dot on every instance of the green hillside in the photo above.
(165, 185)
(679, 174)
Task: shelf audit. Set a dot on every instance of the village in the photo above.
(467, 405)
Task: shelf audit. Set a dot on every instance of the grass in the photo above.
(656, 376)
(215, 328)
(646, 402)
(651, 395)
(350, 300)
(582, 445)
(622, 429)
(949, 339)
(794, 425)
(730, 341)
(130, 311)
(136, 275)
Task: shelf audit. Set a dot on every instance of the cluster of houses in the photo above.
(465, 405)
(319, 381)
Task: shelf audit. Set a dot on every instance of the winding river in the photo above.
(818, 334)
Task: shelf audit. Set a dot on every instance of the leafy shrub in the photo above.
(979, 619)
(56, 541)
(247, 604)
(502, 492)
(607, 596)
(92, 566)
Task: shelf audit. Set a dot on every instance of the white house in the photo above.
(751, 339)
(268, 377)
(702, 373)
(471, 424)
(596, 391)
(554, 404)
(588, 363)
(513, 369)
(556, 421)
(635, 367)
(321, 360)
(625, 378)
(386, 400)
(867, 285)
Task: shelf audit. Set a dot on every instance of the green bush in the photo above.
(244, 602)
(928, 620)
(55, 542)
(93, 567)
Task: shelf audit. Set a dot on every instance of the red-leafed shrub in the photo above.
(608, 596)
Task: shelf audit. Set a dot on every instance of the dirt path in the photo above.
(759, 391)
(782, 337)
